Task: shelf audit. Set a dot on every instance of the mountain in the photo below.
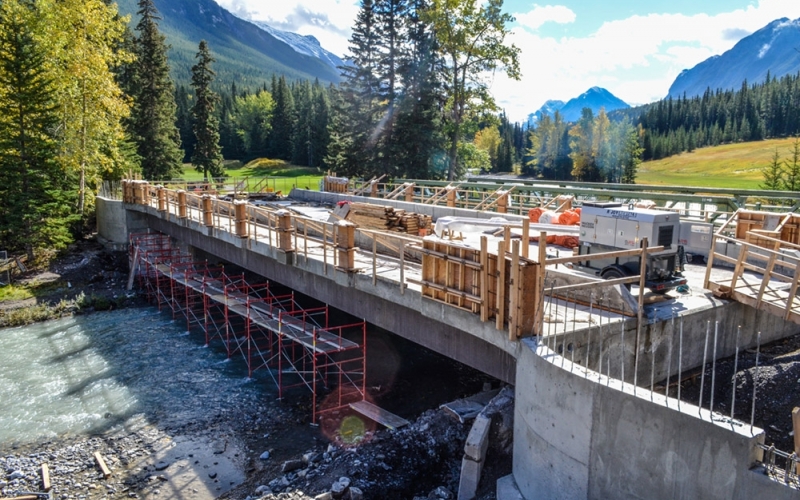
(244, 53)
(548, 108)
(771, 49)
(594, 98)
(307, 44)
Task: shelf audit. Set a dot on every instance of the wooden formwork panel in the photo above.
(503, 289)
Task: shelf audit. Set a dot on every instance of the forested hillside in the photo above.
(244, 53)
(754, 112)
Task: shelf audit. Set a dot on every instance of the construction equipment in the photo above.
(609, 227)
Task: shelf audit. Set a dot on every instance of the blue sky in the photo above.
(635, 49)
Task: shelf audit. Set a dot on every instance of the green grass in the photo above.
(728, 166)
(27, 290)
(282, 176)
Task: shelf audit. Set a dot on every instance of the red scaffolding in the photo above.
(297, 346)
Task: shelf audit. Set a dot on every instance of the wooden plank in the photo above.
(501, 286)
(526, 238)
(514, 308)
(484, 279)
(46, 486)
(379, 415)
(102, 464)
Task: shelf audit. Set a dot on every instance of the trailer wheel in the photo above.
(614, 272)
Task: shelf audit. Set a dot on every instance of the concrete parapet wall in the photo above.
(433, 210)
(580, 436)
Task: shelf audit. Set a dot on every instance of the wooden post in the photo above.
(526, 237)
(285, 230)
(796, 425)
(540, 283)
(402, 267)
(162, 198)
(451, 197)
(514, 308)
(484, 279)
(501, 286)
(373, 189)
(240, 213)
(502, 203)
(181, 203)
(345, 245)
(208, 212)
(410, 193)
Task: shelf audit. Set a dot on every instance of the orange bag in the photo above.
(534, 214)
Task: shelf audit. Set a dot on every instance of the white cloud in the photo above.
(543, 14)
(330, 21)
(636, 58)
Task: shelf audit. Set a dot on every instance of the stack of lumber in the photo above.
(384, 218)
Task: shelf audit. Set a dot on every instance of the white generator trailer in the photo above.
(609, 227)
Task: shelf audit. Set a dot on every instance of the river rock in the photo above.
(356, 493)
(340, 487)
(264, 456)
(17, 474)
(161, 465)
(290, 465)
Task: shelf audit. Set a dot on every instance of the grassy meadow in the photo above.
(728, 166)
(282, 176)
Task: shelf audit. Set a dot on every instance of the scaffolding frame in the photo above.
(297, 346)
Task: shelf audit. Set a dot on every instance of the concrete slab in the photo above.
(507, 489)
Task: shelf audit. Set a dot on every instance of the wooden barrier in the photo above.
(500, 287)
(240, 213)
(208, 211)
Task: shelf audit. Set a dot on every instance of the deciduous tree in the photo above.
(470, 37)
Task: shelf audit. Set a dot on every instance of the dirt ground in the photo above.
(251, 447)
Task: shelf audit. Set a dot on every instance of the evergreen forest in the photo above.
(87, 97)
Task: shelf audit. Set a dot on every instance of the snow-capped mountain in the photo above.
(304, 44)
(548, 108)
(773, 48)
(594, 99)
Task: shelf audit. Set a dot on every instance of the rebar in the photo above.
(600, 337)
(735, 369)
(589, 335)
(680, 362)
(622, 351)
(669, 356)
(714, 368)
(703, 371)
(755, 383)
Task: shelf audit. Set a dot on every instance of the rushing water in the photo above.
(88, 373)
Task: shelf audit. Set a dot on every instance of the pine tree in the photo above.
(207, 157)
(773, 174)
(353, 149)
(183, 115)
(153, 120)
(284, 118)
(791, 180)
(35, 191)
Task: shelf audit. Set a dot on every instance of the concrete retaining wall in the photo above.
(577, 438)
(112, 228)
